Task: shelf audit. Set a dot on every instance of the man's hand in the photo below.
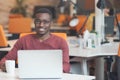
(2, 67)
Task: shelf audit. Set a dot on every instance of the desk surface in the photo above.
(104, 50)
(5, 76)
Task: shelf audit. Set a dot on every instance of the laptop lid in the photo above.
(40, 63)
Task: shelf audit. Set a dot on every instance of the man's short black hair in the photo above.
(43, 10)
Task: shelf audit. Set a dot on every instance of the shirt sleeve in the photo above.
(66, 61)
(12, 55)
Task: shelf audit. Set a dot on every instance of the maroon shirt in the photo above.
(30, 42)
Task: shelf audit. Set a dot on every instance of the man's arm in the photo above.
(2, 64)
(12, 55)
(66, 61)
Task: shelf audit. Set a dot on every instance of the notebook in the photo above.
(40, 64)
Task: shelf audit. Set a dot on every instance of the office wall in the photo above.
(7, 5)
(31, 3)
(86, 6)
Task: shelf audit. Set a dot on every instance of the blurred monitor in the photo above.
(51, 8)
(109, 25)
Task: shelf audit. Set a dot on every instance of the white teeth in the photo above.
(41, 29)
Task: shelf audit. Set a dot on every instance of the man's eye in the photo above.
(46, 22)
(37, 21)
(42, 21)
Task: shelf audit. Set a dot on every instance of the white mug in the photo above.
(10, 66)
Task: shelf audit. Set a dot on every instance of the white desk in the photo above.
(104, 50)
(100, 52)
(5, 76)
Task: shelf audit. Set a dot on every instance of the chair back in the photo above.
(24, 34)
(16, 16)
(3, 39)
(117, 19)
(119, 51)
(62, 35)
(61, 18)
(19, 25)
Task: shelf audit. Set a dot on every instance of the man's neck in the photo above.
(44, 37)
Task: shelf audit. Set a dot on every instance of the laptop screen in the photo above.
(40, 63)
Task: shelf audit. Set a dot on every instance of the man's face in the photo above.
(42, 23)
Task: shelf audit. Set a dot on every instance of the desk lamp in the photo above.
(79, 23)
(74, 22)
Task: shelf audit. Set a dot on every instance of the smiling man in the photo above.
(42, 40)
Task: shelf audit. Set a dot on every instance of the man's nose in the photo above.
(41, 24)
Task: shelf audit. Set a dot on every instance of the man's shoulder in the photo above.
(55, 36)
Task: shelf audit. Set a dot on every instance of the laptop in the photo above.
(40, 64)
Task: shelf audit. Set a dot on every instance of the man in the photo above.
(43, 39)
